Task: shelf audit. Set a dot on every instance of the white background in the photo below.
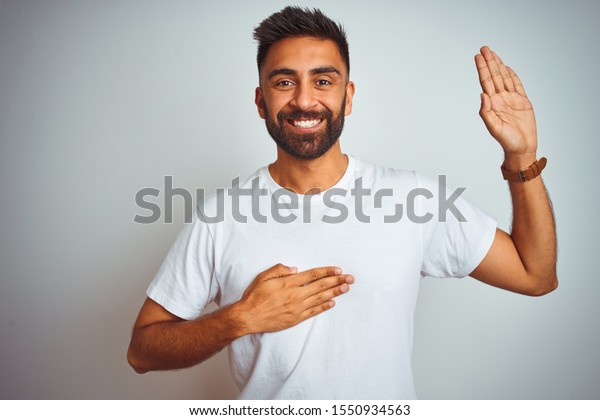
(99, 99)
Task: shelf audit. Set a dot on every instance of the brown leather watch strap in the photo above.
(526, 174)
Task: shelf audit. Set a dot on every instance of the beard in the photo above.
(306, 146)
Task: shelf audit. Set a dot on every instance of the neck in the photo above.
(309, 176)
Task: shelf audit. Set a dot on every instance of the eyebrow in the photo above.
(313, 72)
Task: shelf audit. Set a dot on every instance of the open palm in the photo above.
(505, 108)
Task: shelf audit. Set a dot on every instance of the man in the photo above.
(282, 277)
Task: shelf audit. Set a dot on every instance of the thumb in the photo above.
(490, 119)
(278, 270)
(486, 105)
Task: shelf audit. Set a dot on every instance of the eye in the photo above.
(323, 82)
(284, 83)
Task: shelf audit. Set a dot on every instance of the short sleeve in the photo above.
(458, 236)
(185, 283)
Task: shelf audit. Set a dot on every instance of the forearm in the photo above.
(533, 227)
(179, 344)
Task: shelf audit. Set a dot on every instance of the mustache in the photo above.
(308, 115)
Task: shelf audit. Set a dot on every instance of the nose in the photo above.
(304, 98)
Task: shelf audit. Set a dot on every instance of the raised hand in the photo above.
(280, 297)
(505, 108)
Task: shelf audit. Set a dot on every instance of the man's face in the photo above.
(304, 95)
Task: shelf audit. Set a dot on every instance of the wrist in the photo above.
(518, 161)
(237, 321)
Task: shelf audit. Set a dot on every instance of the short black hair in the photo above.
(294, 21)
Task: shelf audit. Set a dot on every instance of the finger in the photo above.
(493, 68)
(485, 78)
(326, 295)
(277, 271)
(516, 82)
(316, 310)
(326, 283)
(506, 78)
(314, 274)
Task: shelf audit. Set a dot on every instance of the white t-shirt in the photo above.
(360, 349)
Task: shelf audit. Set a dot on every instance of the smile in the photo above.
(305, 123)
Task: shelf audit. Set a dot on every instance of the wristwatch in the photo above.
(526, 174)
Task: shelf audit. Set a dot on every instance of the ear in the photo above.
(349, 95)
(258, 100)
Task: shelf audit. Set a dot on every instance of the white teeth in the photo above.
(306, 124)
